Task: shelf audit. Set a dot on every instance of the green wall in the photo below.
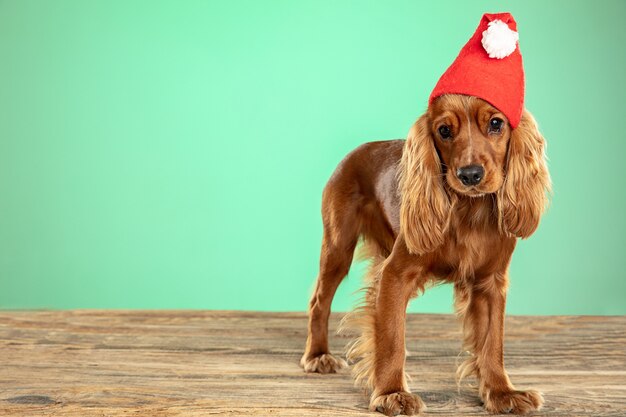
(172, 154)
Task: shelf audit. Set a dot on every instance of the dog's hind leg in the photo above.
(340, 213)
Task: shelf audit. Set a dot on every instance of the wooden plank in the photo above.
(199, 363)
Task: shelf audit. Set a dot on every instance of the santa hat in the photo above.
(489, 67)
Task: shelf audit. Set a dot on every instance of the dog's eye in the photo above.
(445, 132)
(495, 125)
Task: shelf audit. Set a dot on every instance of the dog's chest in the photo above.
(473, 246)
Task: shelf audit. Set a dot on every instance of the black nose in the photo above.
(471, 174)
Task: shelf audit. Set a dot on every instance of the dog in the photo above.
(446, 205)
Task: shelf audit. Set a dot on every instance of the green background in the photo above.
(173, 154)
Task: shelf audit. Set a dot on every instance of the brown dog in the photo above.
(447, 204)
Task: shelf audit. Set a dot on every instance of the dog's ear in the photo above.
(425, 205)
(523, 197)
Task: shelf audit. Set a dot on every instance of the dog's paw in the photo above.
(322, 364)
(515, 402)
(401, 402)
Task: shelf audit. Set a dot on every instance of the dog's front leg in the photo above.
(484, 334)
(391, 394)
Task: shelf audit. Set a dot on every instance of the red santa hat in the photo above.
(489, 67)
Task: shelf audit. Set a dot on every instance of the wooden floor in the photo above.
(198, 363)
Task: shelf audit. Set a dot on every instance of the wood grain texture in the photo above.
(206, 363)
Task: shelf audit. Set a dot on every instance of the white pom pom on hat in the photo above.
(499, 40)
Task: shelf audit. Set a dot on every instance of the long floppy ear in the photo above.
(523, 197)
(425, 205)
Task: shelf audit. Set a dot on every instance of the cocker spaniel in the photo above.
(447, 204)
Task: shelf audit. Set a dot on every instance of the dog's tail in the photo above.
(360, 321)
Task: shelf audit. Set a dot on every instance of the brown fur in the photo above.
(422, 225)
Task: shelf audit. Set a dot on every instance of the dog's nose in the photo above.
(470, 174)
